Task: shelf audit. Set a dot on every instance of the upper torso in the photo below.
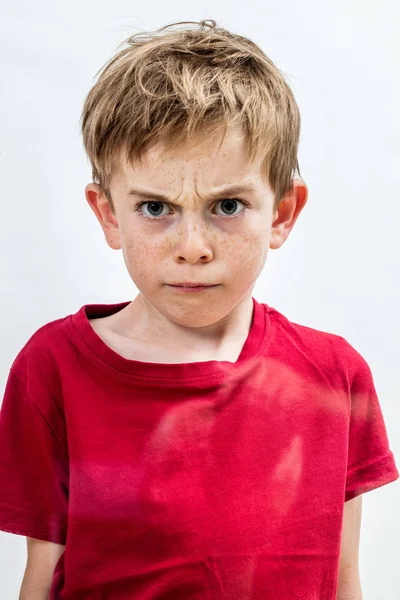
(213, 489)
(203, 480)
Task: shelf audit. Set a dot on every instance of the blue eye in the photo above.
(151, 204)
(231, 202)
(155, 206)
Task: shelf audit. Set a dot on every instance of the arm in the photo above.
(349, 585)
(42, 559)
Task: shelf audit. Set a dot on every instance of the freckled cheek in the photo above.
(140, 257)
(246, 252)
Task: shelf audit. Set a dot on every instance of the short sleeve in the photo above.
(371, 463)
(34, 469)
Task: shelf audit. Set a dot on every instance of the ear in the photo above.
(287, 212)
(100, 205)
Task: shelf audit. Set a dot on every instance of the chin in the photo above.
(191, 312)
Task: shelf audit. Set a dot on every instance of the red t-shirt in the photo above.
(204, 480)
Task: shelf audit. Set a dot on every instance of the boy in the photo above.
(193, 443)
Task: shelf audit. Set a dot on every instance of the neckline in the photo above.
(167, 373)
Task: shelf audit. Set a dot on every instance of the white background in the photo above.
(339, 269)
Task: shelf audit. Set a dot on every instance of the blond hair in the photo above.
(171, 84)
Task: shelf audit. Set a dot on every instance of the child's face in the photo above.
(193, 237)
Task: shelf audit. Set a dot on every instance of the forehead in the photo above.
(204, 159)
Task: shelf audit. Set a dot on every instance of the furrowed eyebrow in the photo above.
(227, 191)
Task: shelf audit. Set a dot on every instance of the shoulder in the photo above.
(306, 343)
(33, 402)
(299, 332)
(39, 350)
(37, 367)
(330, 353)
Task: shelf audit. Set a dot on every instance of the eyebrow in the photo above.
(228, 190)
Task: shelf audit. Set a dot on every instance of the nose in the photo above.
(192, 243)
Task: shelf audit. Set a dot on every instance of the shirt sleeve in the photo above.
(371, 463)
(34, 468)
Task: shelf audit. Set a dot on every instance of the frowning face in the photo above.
(198, 214)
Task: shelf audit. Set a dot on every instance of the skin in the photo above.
(42, 557)
(192, 238)
(349, 584)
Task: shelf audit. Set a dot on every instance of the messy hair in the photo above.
(174, 83)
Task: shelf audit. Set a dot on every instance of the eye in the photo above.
(155, 208)
(151, 204)
(231, 204)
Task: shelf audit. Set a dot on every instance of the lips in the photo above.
(192, 285)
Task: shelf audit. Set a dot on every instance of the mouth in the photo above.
(192, 285)
(195, 287)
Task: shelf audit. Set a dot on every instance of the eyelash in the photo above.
(246, 206)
